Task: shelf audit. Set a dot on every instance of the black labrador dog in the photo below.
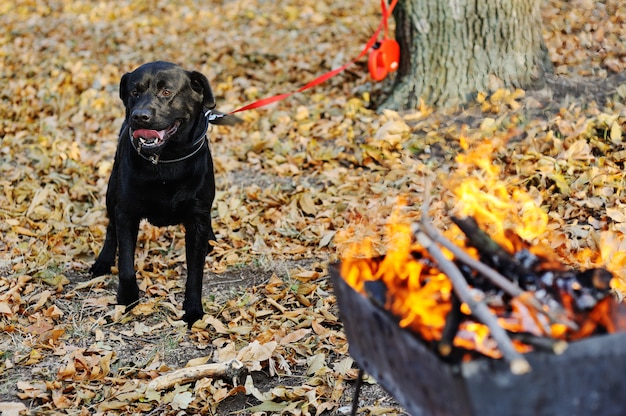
(163, 172)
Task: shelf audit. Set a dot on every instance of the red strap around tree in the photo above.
(386, 12)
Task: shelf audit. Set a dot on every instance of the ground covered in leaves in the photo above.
(297, 182)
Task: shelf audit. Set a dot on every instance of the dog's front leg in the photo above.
(196, 236)
(127, 230)
(106, 258)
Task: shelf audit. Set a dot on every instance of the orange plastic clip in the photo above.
(384, 59)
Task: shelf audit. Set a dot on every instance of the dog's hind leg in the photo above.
(106, 258)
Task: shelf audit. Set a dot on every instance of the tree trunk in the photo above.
(450, 50)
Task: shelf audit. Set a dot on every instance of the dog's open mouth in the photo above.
(154, 138)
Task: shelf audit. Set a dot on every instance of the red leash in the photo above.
(384, 57)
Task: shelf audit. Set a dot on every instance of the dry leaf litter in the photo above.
(297, 183)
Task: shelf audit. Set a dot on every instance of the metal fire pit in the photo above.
(589, 379)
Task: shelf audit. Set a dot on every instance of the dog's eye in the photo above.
(166, 93)
(134, 93)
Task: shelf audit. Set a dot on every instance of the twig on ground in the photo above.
(230, 370)
(275, 304)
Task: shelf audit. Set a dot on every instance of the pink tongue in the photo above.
(148, 134)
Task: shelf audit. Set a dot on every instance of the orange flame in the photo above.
(483, 195)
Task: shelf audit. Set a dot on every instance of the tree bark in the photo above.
(450, 50)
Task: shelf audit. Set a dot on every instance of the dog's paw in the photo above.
(192, 315)
(100, 268)
(128, 295)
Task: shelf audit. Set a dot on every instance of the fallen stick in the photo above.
(517, 363)
(230, 370)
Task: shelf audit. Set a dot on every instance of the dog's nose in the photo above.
(141, 115)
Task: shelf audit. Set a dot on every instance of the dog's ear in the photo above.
(124, 87)
(201, 84)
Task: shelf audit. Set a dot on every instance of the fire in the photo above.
(417, 292)
(483, 195)
(420, 295)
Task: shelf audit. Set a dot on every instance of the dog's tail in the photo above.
(222, 119)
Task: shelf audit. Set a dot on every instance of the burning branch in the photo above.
(557, 315)
(556, 346)
(517, 362)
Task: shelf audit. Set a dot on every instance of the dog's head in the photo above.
(164, 103)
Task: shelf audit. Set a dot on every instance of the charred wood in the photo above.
(453, 322)
(490, 252)
(541, 343)
(556, 314)
(518, 364)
